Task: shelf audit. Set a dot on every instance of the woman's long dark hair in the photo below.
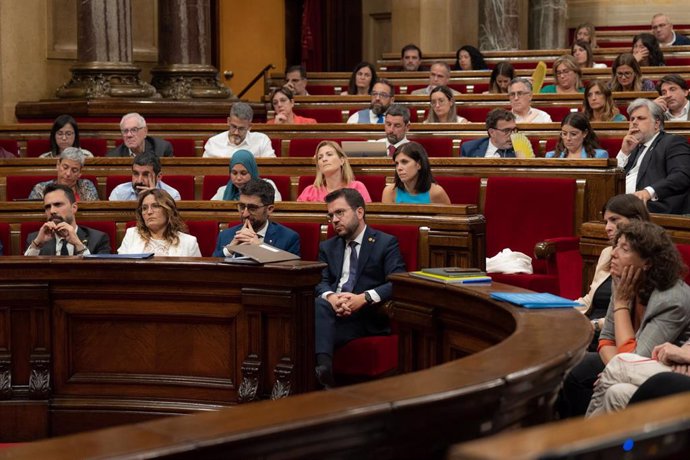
(476, 57)
(579, 121)
(352, 85)
(416, 152)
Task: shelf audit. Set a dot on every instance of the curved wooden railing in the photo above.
(477, 367)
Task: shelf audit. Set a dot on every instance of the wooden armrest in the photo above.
(548, 248)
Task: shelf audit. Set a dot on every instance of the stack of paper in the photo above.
(454, 278)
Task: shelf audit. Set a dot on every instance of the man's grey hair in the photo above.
(242, 110)
(522, 80)
(655, 109)
(444, 64)
(74, 154)
(141, 123)
(399, 110)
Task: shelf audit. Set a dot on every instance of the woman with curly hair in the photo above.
(650, 305)
(469, 58)
(598, 104)
(159, 228)
(645, 48)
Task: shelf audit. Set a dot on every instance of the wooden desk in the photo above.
(494, 367)
(93, 343)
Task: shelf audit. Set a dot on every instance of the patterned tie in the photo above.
(633, 158)
(380, 119)
(391, 150)
(64, 251)
(350, 283)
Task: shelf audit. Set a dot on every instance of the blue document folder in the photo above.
(534, 299)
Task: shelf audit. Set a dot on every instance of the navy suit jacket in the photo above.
(681, 40)
(379, 257)
(276, 235)
(666, 168)
(477, 148)
(97, 241)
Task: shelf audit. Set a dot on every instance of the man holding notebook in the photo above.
(359, 259)
(255, 207)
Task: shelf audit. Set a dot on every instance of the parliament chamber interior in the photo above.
(192, 357)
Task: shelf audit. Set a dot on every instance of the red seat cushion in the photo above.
(98, 147)
(211, 185)
(206, 232)
(10, 145)
(322, 115)
(367, 356)
(282, 184)
(461, 190)
(475, 114)
(557, 113)
(309, 238)
(307, 147)
(183, 147)
(5, 237)
(436, 146)
(374, 184)
(276, 143)
(182, 183)
(35, 147)
(19, 187)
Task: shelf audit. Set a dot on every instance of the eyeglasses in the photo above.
(624, 74)
(64, 134)
(516, 94)
(563, 72)
(381, 95)
(252, 208)
(339, 214)
(507, 131)
(133, 131)
(151, 207)
(237, 129)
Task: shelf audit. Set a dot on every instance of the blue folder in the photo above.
(534, 299)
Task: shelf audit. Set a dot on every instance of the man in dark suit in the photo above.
(136, 139)
(255, 207)
(60, 235)
(657, 164)
(500, 124)
(359, 259)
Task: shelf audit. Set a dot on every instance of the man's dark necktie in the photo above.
(380, 119)
(503, 153)
(632, 159)
(350, 283)
(391, 150)
(64, 251)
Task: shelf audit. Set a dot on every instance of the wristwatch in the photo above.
(368, 298)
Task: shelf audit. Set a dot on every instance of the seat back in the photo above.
(19, 187)
(522, 211)
(374, 184)
(436, 146)
(557, 113)
(113, 181)
(99, 147)
(461, 190)
(322, 115)
(276, 144)
(282, 184)
(35, 147)
(10, 145)
(211, 185)
(304, 182)
(5, 238)
(309, 238)
(183, 147)
(182, 183)
(307, 147)
(206, 233)
(683, 249)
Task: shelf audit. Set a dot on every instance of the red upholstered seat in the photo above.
(475, 114)
(277, 147)
(684, 250)
(10, 145)
(35, 147)
(113, 181)
(19, 187)
(307, 147)
(309, 238)
(370, 357)
(436, 146)
(374, 184)
(322, 115)
(461, 190)
(206, 232)
(211, 185)
(520, 212)
(557, 113)
(282, 184)
(5, 237)
(99, 147)
(107, 227)
(611, 145)
(183, 147)
(322, 90)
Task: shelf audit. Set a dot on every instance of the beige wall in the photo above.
(252, 35)
(613, 13)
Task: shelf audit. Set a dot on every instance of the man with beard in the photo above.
(60, 235)
(146, 175)
(137, 141)
(255, 206)
(239, 137)
(673, 99)
(410, 57)
(500, 124)
(382, 96)
(397, 122)
(358, 259)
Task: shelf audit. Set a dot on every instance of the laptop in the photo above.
(364, 149)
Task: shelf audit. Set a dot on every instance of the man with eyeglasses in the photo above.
(500, 124)
(296, 80)
(136, 139)
(146, 175)
(520, 96)
(239, 137)
(255, 207)
(382, 96)
(662, 29)
(359, 260)
(439, 75)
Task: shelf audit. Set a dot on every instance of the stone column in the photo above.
(104, 53)
(499, 26)
(184, 37)
(547, 24)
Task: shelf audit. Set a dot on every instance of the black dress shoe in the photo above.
(324, 375)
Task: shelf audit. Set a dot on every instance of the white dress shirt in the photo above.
(631, 177)
(219, 146)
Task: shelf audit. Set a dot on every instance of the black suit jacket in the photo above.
(666, 168)
(160, 147)
(97, 241)
(379, 257)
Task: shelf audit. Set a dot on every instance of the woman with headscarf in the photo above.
(242, 168)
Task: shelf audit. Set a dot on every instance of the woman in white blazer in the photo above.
(159, 228)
